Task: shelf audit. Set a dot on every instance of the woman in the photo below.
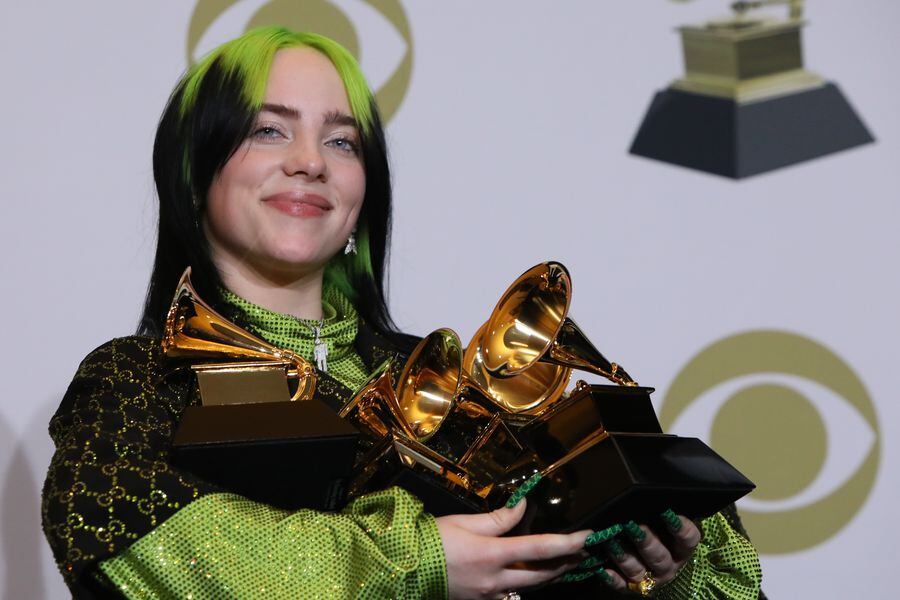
(273, 182)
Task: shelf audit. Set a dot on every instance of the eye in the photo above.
(344, 144)
(267, 132)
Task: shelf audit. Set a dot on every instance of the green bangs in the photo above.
(247, 60)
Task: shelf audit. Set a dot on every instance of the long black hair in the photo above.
(208, 116)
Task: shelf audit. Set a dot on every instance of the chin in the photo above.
(297, 260)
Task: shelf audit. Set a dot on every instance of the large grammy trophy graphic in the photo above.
(746, 104)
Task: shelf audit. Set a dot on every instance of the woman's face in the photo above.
(287, 200)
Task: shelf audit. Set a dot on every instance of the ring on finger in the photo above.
(512, 596)
(645, 586)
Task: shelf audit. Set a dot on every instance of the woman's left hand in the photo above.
(650, 555)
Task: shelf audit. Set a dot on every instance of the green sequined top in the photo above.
(341, 324)
(113, 504)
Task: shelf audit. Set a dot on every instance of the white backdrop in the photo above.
(509, 148)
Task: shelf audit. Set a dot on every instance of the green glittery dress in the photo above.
(123, 522)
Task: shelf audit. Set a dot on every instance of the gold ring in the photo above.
(645, 586)
(512, 596)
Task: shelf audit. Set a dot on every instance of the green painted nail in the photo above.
(635, 532)
(672, 521)
(523, 490)
(590, 562)
(598, 537)
(615, 549)
(575, 577)
(604, 576)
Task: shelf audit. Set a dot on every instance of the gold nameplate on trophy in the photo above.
(242, 383)
(746, 58)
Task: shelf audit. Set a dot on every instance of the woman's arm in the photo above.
(225, 546)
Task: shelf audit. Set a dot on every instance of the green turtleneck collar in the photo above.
(286, 331)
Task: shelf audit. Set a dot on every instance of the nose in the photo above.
(305, 159)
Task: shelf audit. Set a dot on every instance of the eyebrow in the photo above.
(332, 117)
(336, 117)
(281, 110)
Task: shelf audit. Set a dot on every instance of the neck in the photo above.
(295, 294)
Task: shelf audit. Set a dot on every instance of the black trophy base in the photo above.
(589, 408)
(721, 136)
(630, 476)
(287, 454)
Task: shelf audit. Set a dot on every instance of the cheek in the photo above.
(355, 189)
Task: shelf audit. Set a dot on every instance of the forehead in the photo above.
(304, 78)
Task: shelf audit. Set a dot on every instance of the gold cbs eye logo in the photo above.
(216, 21)
(792, 416)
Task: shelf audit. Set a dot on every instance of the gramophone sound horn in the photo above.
(435, 385)
(194, 330)
(532, 390)
(530, 325)
(374, 408)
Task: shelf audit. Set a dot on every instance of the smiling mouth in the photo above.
(299, 204)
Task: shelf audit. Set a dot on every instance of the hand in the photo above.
(480, 564)
(651, 554)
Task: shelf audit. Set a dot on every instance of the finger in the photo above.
(630, 566)
(685, 534)
(519, 578)
(654, 554)
(494, 523)
(615, 580)
(530, 548)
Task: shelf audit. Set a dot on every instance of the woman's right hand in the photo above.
(481, 564)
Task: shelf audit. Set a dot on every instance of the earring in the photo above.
(350, 248)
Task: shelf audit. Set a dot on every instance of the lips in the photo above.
(299, 204)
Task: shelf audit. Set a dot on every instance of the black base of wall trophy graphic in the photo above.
(746, 105)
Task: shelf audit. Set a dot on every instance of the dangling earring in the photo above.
(350, 248)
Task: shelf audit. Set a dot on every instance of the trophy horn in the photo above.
(435, 386)
(530, 325)
(429, 383)
(529, 392)
(195, 330)
(374, 408)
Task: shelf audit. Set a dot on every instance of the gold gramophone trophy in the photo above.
(746, 104)
(251, 434)
(467, 433)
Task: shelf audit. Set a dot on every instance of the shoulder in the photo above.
(127, 358)
(117, 350)
(122, 368)
(406, 343)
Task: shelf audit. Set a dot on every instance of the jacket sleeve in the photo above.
(223, 546)
(109, 482)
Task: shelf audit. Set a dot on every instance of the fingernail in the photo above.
(672, 521)
(590, 562)
(615, 549)
(523, 490)
(574, 577)
(598, 537)
(635, 532)
(604, 576)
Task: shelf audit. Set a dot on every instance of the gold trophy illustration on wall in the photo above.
(746, 103)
